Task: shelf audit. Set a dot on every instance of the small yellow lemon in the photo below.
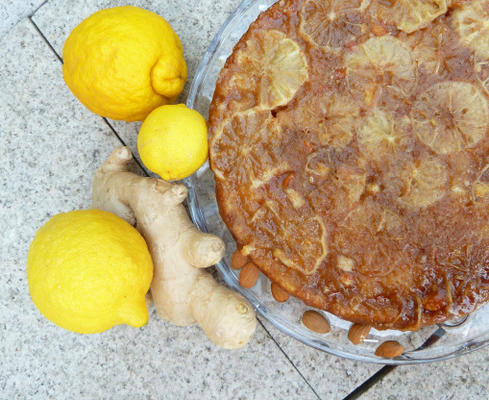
(172, 141)
(89, 270)
(123, 62)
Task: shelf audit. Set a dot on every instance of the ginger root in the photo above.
(183, 292)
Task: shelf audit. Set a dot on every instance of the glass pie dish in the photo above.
(431, 343)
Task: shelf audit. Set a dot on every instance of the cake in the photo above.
(349, 143)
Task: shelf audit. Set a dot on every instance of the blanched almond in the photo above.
(249, 275)
(238, 260)
(278, 293)
(389, 349)
(315, 322)
(358, 332)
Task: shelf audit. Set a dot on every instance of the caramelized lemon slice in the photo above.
(381, 65)
(323, 120)
(451, 116)
(298, 240)
(472, 26)
(275, 65)
(381, 134)
(410, 15)
(428, 46)
(425, 182)
(251, 139)
(331, 23)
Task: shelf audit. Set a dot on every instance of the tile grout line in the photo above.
(124, 144)
(45, 39)
(60, 59)
(37, 9)
(370, 382)
(288, 358)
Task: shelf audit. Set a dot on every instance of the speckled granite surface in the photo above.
(465, 377)
(12, 11)
(49, 147)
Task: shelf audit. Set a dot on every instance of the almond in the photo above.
(278, 293)
(315, 322)
(249, 275)
(389, 349)
(238, 260)
(358, 332)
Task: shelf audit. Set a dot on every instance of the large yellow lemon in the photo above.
(89, 270)
(172, 141)
(123, 62)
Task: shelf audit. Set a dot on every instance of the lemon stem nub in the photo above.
(168, 77)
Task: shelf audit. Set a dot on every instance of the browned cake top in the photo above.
(350, 149)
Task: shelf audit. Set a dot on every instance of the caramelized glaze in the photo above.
(352, 160)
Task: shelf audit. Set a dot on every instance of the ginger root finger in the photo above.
(104, 196)
(224, 315)
(117, 160)
(182, 291)
(202, 249)
(176, 194)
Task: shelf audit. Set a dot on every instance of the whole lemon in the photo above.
(123, 62)
(89, 270)
(172, 141)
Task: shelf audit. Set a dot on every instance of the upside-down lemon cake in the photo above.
(349, 142)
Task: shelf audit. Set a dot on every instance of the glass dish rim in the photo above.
(223, 269)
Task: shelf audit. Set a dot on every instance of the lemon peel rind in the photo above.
(113, 78)
(52, 284)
